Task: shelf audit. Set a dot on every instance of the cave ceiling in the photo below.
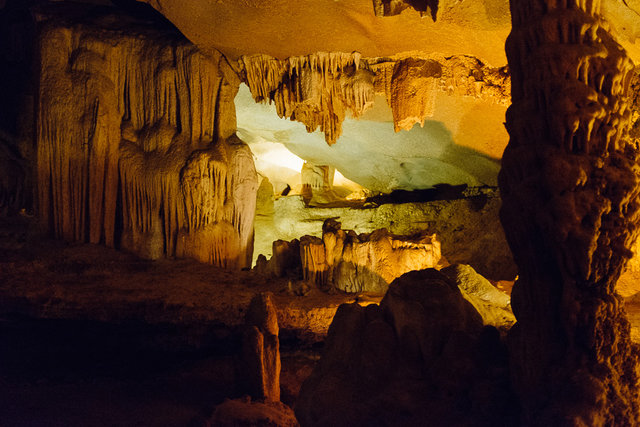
(464, 135)
(283, 28)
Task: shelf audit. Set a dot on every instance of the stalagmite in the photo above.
(261, 349)
(570, 187)
(148, 120)
(421, 357)
(362, 263)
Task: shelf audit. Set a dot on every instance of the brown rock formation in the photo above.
(317, 184)
(395, 7)
(319, 89)
(261, 349)
(147, 116)
(316, 89)
(244, 412)
(365, 262)
(421, 356)
(570, 191)
(285, 258)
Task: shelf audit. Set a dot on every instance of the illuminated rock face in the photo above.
(141, 127)
(570, 191)
(354, 263)
(468, 229)
(321, 88)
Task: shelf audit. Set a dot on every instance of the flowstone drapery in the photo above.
(140, 126)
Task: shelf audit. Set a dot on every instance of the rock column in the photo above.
(569, 184)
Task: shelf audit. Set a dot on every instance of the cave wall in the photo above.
(17, 39)
(136, 143)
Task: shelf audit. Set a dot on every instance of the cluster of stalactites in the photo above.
(411, 84)
(128, 115)
(395, 7)
(316, 89)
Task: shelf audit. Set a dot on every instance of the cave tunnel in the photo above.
(354, 212)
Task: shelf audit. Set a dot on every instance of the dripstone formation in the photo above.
(141, 126)
(570, 186)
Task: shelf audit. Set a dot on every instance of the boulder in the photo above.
(422, 354)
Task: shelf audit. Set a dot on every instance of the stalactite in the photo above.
(570, 186)
(411, 84)
(316, 89)
(150, 112)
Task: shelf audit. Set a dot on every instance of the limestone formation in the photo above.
(493, 305)
(285, 258)
(316, 89)
(366, 262)
(468, 229)
(570, 187)
(422, 354)
(395, 7)
(261, 349)
(140, 126)
(13, 177)
(248, 413)
(317, 184)
(282, 29)
(319, 89)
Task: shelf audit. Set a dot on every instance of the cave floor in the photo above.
(44, 278)
(93, 336)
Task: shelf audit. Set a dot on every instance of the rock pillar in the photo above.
(569, 184)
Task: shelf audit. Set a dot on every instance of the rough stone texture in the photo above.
(316, 89)
(283, 29)
(13, 177)
(285, 258)
(366, 262)
(395, 7)
(317, 184)
(146, 117)
(422, 354)
(570, 191)
(493, 305)
(245, 412)
(460, 144)
(319, 89)
(261, 349)
(468, 229)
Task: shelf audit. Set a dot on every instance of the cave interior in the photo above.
(320, 213)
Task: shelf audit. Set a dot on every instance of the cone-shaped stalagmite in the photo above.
(261, 349)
